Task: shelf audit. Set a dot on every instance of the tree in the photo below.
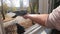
(5, 8)
(14, 8)
(34, 6)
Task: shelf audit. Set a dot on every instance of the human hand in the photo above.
(26, 16)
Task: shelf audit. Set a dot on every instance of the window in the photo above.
(17, 3)
(25, 3)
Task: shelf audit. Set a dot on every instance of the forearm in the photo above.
(38, 18)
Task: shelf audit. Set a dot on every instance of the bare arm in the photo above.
(38, 18)
(51, 20)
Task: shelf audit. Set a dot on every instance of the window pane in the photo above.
(25, 3)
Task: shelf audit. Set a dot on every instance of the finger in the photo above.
(25, 16)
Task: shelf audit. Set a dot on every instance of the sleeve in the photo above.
(53, 20)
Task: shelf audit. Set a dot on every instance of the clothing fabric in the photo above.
(53, 20)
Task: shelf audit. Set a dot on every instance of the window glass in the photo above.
(17, 5)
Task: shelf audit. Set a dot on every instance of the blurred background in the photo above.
(32, 7)
(18, 5)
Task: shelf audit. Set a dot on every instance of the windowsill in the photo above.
(37, 29)
(32, 29)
